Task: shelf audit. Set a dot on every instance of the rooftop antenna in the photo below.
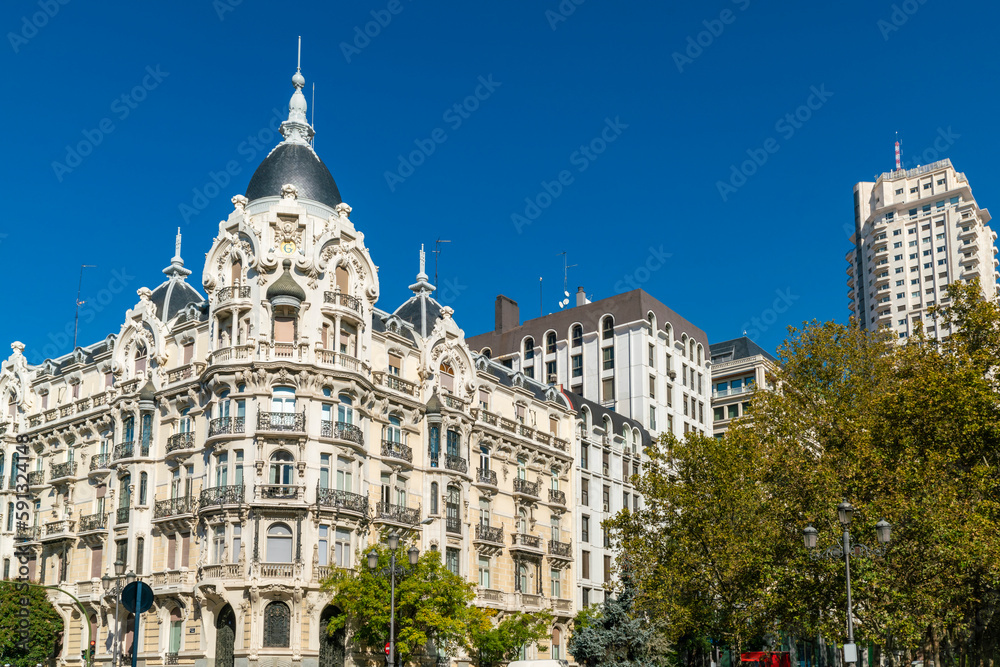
(298, 64)
(541, 312)
(79, 288)
(566, 267)
(898, 154)
(437, 256)
(313, 120)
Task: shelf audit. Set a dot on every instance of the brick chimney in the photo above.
(507, 314)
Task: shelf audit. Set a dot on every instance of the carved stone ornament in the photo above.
(240, 202)
(343, 210)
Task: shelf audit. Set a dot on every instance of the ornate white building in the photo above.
(231, 450)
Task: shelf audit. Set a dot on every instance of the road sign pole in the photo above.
(135, 629)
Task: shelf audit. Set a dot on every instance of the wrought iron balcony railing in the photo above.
(230, 293)
(395, 383)
(453, 524)
(36, 478)
(279, 491)
(557, 496)
(489, 533)
(397, 513)
(125, 450)
(456, 463)
(342, 431)
(61, 470)
(173, 507)
(28, 533)
(180, 441)
(122, 514)
(100, 462)
(560, 549)
(281, 421)
(352, 502)
(341, 299)
(223, 425)
(397, 450)
(486, 476)
(93, 522)
(222, 495)
(525, 540)
(525, 487)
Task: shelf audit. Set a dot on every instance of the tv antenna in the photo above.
(437, 256)
(79, 289)
(566, 267)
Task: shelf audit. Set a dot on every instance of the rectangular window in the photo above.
(585, 597)
(484, 572)
(451, 559)
(608, 389)
(395, 363)
(324, 546)
(585, 529)
(652, 386)
(607, 569)
(237, 543)
(218, 543)
(584, 456)
(577, 360)
(585, 492)
(555, 576)
(324, 471)
(550, 371)
(342, 548)
(585, 564)
(608, 357)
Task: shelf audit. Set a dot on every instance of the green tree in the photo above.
(616, 633)
(495, 643)
(432, 606)
(906, 432)
(20, 603)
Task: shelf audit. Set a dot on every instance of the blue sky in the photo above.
(617, 120)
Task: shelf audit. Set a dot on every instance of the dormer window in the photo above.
(447, 376)
(140, 360)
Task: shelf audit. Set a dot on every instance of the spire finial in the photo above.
(422, 286)
(176, 268)
(296, 129)
(423, 262)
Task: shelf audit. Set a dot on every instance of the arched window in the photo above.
(237, 275)
(343, 280)
(141, 360)
(279, 544)
(143, 482)
(447, 376)
(281, 468)
(529, 348)
(434, 497)
(556, 651)
(700, 350)
(607, 327)
(11, 407)
(394, 431)
(277, 625)
(691, 350)
(1, 467)
(125, 492)
(10, 516)
(550, 342)
(577, 335)
(453, 501)
(652, 322)
(345, 410)
(487, 352)
(522, 521)
(128, 429)
(522, 578)
(176, 631)
(13, 470)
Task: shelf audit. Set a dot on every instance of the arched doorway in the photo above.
(225, 637)
(331, 647)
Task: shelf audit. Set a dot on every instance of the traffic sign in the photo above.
(145, 595)
(387, 645)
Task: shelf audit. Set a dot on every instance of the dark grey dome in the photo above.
(285, 286)
(172, 297)
(299, 165)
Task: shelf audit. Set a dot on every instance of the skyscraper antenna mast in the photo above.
(437, 256)
(79, 289)
(566, 267)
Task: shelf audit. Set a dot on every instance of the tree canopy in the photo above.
(31, 603)
(906, 432)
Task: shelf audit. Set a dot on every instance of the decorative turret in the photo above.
(285, 291)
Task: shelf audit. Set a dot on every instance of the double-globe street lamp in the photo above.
(106, 581)
(391, 572)
(845, 512)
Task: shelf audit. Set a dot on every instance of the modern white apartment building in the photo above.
(739, 367)
(916, 232)
(628, 352)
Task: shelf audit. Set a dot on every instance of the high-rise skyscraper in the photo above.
(915, 232)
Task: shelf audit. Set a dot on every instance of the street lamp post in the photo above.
(106, 581)
(391, 572)
(845, 512)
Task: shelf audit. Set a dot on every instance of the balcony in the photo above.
(122, 514)
(36, 478)
(488, 417)
(93, 522)
(62, 471)
(455, 403)
(456, 463)
(493, 534)
(230, 293)
(530, 601)
(100, 462)
(171, 659)
(287, 422)
(342, 431)
(395, 383)
(560, 550)
(180, 441)
(488, 477)
(226, 571)
(397, 513)
(453, 524)
(525, 488)
(234, 353)
(524, 542)
(172, 579)
(61, 529)
(397, 450)
(127, 450)
(342, 500)
(28, 534)
(164, 509)
(341, 299)
(490, 596)
(182, 373)
(562, 607)
(558, 497)
(277, 570)
(221, 495)
(338, 359)
(279, 492)
(226, 425)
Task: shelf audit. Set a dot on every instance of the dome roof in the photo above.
(172, 297)
(285, 286)
(299, 165)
